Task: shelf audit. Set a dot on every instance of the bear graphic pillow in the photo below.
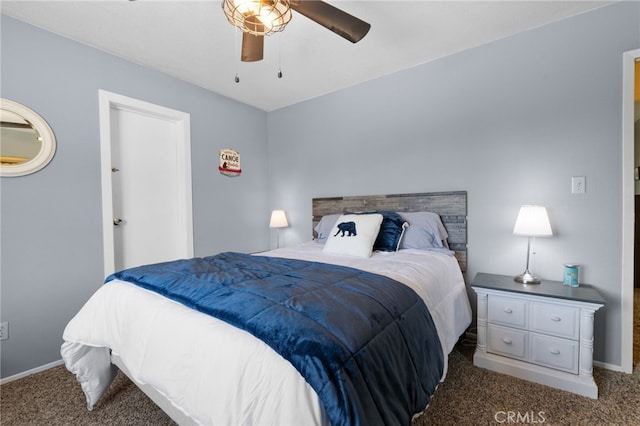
(354, 234)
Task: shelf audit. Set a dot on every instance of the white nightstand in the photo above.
(538, 332)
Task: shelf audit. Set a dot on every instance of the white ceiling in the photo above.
(192, 40)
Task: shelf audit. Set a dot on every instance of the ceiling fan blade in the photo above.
(338, 21)
(252, 48)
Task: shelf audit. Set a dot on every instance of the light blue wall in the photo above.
(51, 236)
(510, 122)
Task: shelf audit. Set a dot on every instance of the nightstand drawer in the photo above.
(557, 320)
(555, 353)
(507, 341)
(508, 311)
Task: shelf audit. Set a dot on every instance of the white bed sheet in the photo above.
(218, 374)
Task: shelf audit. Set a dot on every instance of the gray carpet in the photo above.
(469, 396)
(474, 396)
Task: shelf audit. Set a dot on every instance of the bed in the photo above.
(204, 370)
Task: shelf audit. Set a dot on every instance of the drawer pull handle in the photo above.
(508, 310)
(555, 318)
(555, 351)
(507, 340)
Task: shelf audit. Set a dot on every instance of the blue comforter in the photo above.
(365, 343)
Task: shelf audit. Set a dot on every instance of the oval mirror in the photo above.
(27, 143)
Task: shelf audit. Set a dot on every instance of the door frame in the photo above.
(628, 209)
(107, 102)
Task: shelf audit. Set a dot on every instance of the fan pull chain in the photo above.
(235, 39)
(279, 55)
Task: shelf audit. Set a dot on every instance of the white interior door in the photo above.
(147, 209)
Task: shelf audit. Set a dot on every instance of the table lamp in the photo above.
(278, 220)
(532, 222)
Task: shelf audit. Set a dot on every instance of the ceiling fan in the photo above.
(257, 18)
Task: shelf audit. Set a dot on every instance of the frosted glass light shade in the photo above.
(278, 219)
(533, 221)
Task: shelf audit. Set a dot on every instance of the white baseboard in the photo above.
(30, 372)
(608, 366)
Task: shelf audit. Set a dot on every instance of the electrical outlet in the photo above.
(578, 185)
(4, 330)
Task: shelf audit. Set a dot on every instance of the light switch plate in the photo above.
(578, 185)
(4, 330)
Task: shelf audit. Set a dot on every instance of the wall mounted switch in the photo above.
(578, 185)
(4, 331)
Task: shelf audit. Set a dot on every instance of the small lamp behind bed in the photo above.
(532, 221)
(278, 220)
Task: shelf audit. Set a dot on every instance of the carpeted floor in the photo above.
(474, 396)
(469, 396)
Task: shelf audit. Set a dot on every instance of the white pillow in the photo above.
(354, 234)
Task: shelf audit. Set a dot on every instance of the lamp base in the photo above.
(526, 278)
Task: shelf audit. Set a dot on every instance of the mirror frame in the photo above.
(44, 130)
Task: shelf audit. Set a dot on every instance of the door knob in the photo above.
(117, 221)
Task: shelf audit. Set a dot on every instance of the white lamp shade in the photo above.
(533, 221)
(278, 219)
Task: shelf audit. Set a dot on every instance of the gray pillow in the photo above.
(324, 227)
(425, 231)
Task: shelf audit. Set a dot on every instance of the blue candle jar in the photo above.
(571, 271)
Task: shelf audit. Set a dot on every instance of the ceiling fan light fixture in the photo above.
(258, 17)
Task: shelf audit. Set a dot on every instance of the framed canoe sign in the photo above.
(229, 163)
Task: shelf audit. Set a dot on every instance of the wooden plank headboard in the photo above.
(451, 206)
